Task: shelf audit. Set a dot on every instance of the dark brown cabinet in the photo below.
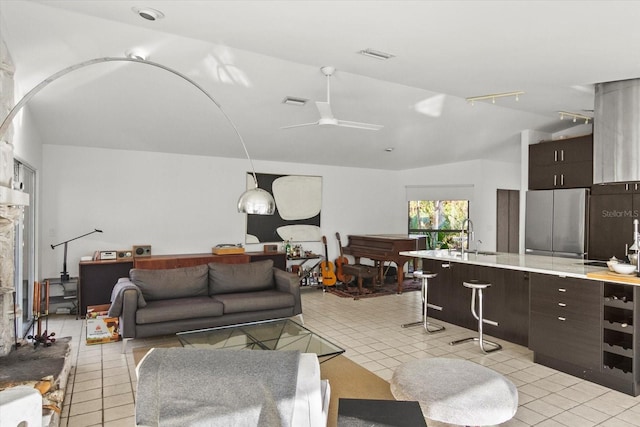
(505, 302)
(97, 279)
(566, 163)
(612, 209)
(620, 357)
(565, 319)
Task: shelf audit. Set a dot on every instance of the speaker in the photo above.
(125, 254)
(142, 250)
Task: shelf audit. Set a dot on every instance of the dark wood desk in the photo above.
(383, 248)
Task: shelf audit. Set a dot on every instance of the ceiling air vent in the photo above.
(292, 100)
(377, 54)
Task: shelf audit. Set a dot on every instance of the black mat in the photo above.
(29, 363)
(379, 413)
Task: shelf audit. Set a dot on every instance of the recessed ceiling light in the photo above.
(377, 54)
(292, 100)
(148, 13)
(388, 149)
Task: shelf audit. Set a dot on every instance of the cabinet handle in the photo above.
(555, 155)
(562, 319)
(446, 265)
(562, 155)
(562, 290)
(555, 180)
(561, 180)
(561, 304)
(626, 187)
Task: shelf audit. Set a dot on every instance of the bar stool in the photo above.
(478, 285)
(425, 324)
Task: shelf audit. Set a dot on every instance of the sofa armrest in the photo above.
(290, 283)
(128, 315)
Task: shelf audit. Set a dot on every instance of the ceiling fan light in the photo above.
(256, 201)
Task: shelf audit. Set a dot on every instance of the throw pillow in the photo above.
(171, 283)
(231, 278)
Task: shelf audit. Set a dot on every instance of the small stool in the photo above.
(456, 391)
(360, 271)
(479, 285)
(425, 324)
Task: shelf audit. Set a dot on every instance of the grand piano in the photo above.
(383, 248)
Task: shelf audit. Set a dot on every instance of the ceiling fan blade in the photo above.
(325, 110)
(358, 125)
(298, 126)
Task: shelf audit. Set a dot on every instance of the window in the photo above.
(439, 220)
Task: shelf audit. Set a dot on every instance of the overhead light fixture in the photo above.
(148, 13)
(575, 117)
(388, 149)
(253, 201)
(493, 96)
(292, 100)
(377, 54)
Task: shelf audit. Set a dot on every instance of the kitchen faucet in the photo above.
(469, 229)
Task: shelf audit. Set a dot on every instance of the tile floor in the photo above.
(102, 383)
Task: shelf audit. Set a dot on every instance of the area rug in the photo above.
(346, 378)
(369, 291)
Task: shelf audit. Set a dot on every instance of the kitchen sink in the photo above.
(484, 253)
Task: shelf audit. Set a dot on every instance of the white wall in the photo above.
(485, 176)
(187, 204)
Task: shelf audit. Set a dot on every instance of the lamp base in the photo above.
(64, 276)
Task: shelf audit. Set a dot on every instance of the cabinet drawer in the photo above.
(568, 340)
(578, 305)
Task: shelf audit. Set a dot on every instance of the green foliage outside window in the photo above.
(439, 220)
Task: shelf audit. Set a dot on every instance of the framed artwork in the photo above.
(298, 207)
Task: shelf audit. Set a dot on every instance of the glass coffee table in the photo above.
(281, 334)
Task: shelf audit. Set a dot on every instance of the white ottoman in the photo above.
(456, 391)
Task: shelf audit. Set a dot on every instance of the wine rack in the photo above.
(619, 339)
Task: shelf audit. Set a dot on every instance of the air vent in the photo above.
(377, 54)
(292, 100)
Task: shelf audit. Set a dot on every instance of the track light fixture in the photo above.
(493, 96)
(575, 117)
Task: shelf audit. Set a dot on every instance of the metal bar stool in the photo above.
(479, 285)
(425, 324)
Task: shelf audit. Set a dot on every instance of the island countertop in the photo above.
(558, 266)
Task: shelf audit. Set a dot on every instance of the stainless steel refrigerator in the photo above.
(556, 222)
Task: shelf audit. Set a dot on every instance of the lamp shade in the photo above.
(256, 201)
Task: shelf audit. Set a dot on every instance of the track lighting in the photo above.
(575, 117)
(493, 97)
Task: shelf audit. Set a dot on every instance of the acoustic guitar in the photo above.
(327, 268)
(340, 261)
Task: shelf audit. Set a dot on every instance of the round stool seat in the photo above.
(476, 284)
(456, 391)
(424, 274)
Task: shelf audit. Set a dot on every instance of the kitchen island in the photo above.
(575, 317)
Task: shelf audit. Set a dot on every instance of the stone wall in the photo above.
(8, 214)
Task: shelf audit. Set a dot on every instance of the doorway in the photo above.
(24, 178)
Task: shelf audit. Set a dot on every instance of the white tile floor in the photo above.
(102, 384)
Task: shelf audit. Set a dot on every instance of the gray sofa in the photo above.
(161, 302)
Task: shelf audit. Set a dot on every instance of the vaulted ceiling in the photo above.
(250, 55)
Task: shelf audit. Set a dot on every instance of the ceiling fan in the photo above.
(326, 116)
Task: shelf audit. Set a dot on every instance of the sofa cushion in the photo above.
(248, 277)
(255, 301)
(177, 309)
(171, 283)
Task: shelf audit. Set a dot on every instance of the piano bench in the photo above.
(361, 271)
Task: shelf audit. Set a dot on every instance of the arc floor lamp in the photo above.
(253, 201)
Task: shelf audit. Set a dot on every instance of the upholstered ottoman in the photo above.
(456, 391)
